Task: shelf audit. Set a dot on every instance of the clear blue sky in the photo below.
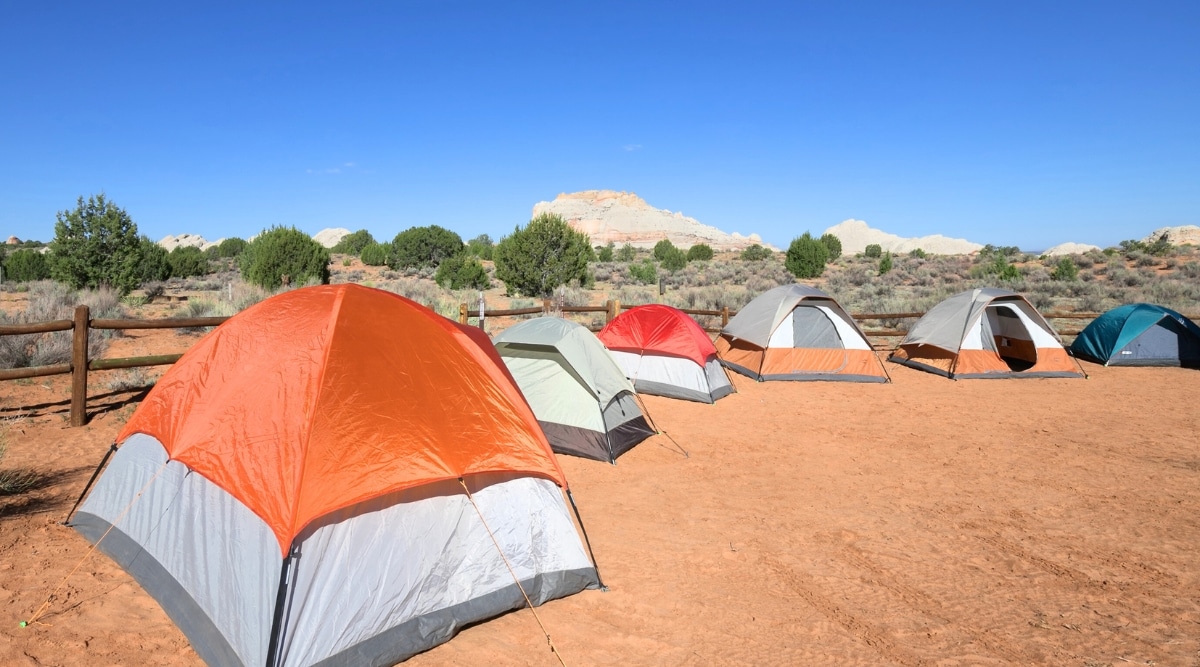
(1013, 123)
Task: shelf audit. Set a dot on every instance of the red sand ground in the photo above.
(925, 522)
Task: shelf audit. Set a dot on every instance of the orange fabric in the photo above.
(740, 352)
(1016, 348)
(928, 355)
(659, 329)
(817, 361)
(323, 397)
(969, 362)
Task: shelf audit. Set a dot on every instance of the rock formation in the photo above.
(186, 240)
(1176, 235)
(623, 217)
(856, 235)
(331, 236)
(1070, 249)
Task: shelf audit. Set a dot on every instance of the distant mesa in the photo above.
(186, 241)
(1176, 235)
(1070, 249)
(856, 235)
(331, 236)
(624, 217)
(326, 237)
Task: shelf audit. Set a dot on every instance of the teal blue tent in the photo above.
(1140, 334)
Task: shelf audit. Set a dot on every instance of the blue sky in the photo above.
(1017, 123)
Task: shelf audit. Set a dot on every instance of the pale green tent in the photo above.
(582, 399)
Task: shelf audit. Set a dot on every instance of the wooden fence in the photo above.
(82, 323)
(80, 364)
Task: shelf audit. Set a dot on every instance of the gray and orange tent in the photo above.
(315, 481)
(985, 333)
(796, 332)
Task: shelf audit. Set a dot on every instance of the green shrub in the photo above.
(187, 261)
(874, 251)
(155, 265)
(421, 247)
(605, 253)
(284, 251)
(755, 253)
(376, 254)
(806, 257)
(662, 248)
(644, 272)
(1065, 270)
(918, 253)
(700, 252)
(231, 247)
(94, 245)
(353, 243)
(885, 264)
(626, 253)
(674, 259)
(463, 271)
(481, 246)
(546, 253)
(25, 266)
(833, 244)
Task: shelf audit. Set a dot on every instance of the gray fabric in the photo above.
(1167, 343)
(738, 368)
(718, 381)
(946, 324)
(205, 638)
(1009, 375)
(357, 578)
(578, 346)
(424, 632)
(918, 365)
(576, 441)
(755, 322)
(671, 391)
(811, 328)
(217, 550)
(626, 436)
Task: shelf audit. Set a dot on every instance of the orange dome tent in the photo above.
(301, 475)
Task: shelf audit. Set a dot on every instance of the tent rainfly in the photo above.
(294, 490)
(796, 332)
(580, 396)
(1140, 334)
(985, 333)
(665, 353)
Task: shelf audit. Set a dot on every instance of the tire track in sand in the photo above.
(807, 589)
(929, 606)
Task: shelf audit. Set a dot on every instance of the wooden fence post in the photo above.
(79, 366)
(724, 316)
(613, 309)
(462, 313)
(547, 306)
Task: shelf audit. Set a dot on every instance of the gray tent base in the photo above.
(683, 393)
(589, 444)
(387, 648)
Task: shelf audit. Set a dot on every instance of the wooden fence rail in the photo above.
(81, 323)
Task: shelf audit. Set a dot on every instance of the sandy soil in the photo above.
(925, 522)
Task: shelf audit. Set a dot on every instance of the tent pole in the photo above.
(586, 541)
(88, 486)
(280, 600)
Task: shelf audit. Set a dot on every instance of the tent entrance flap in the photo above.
(1010, 337)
